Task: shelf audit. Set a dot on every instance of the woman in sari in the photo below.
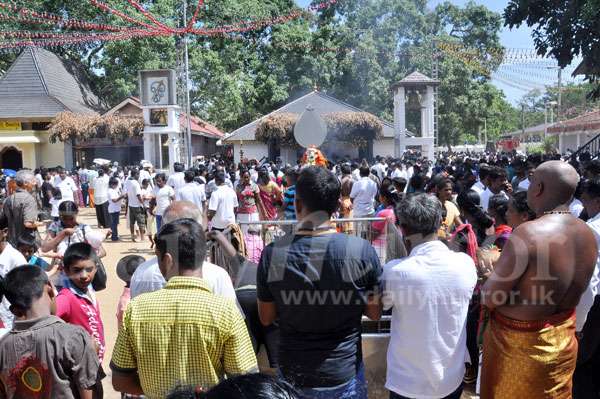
(78, 195)
(270, 195)
(498, 208)
(388, 197)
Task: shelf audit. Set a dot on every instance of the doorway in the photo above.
(11, 158)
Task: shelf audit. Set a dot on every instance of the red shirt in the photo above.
(75, 307)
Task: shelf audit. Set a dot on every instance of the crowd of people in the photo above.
(487, 265)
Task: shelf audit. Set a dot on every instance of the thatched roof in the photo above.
(350, 127)
(68, 126)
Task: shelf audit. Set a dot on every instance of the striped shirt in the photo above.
(185, 334)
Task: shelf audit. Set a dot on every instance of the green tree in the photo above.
(563, 29)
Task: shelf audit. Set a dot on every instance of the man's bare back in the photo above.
(347, 183)
(547, 264)
(555, 257)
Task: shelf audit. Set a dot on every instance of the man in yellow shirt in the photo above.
(183, 333)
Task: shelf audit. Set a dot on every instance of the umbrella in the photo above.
(101, 161)
(9, 172)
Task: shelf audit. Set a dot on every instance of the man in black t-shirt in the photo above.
(46, 192)
(318, 284)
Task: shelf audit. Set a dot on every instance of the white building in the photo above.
(244, 139)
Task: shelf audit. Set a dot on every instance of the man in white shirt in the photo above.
(66, 185)
(497, 182)
(363, 194)
(480, 185)
(163, 196)
(429, 292)
(100, 185)
(177, 179)
(9, 259)
(222, 205)
(380, 167)
(148, 278)
(584, 384)
(135, 204)
(192, 192)
(145, 173)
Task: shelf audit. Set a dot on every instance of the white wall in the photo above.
(252, 150)
(383, 147)
(570, 142)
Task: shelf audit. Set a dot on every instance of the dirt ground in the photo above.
(110, 296)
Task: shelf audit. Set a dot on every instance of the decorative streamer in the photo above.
(123, 16)
(149, 16)
(103, 32)
(192, 22)
(25, 15)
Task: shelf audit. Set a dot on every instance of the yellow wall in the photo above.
(27, 151)
(50, 154)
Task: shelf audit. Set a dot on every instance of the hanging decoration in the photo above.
(74, 31)
(355, 128)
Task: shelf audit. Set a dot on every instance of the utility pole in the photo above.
(523, 119)
(186, 66)
(545, 119)
(558, 107)
(485, 132)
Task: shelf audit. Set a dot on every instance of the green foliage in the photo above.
(563, 29)
(354, 51)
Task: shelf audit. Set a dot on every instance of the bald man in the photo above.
(148, 278)
(530, 349)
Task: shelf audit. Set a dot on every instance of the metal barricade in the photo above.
(383, 236)
(387, 243)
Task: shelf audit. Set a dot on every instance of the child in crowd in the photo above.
(43, 357)
(147, 196)
(115, 202)
(55, 202)
(76, 303)
(125, 269)
(28, 248)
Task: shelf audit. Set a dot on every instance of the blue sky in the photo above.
(518, 78)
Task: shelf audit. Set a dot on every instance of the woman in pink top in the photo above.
(388, 197)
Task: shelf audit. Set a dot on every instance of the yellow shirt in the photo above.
(182, 334)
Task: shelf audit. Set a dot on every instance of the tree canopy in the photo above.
(354, 50)
(563, 29)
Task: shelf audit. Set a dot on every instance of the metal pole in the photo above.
(485, 132)
(187, 90)
(545, 120)
(558, 107)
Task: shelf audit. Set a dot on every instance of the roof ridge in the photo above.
(39, 70)
(58, 100)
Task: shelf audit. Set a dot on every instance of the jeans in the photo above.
(356, 388)
(84, 193)
(454, 395)
(158, 222)
(114, 225)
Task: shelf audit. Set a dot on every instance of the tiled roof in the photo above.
(321, 102)
(39, 84)
(198, 125)
(586, 122)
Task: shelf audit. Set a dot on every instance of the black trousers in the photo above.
(585, 380)
(259, 334)
(103, 216)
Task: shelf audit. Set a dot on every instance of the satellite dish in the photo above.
(310, 130)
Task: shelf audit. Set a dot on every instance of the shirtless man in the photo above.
(530, 346)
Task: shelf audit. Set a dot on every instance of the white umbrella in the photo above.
(101, 161)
